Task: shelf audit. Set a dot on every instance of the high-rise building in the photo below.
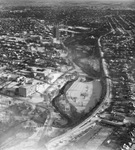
(56, 34)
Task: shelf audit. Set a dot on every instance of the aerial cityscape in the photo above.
(67, 75)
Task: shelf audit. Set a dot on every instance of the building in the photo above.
(41, 72)
(56, 35)
(56, 32)
(9, 88)
(27, 90)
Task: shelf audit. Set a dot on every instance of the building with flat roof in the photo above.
(27, 90)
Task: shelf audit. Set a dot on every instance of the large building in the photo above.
(28, 89)
(56, 34)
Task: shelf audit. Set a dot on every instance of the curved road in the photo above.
(70, 135)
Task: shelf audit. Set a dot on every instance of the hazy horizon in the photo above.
(44, 2)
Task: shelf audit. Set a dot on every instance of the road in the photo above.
(72, 134)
